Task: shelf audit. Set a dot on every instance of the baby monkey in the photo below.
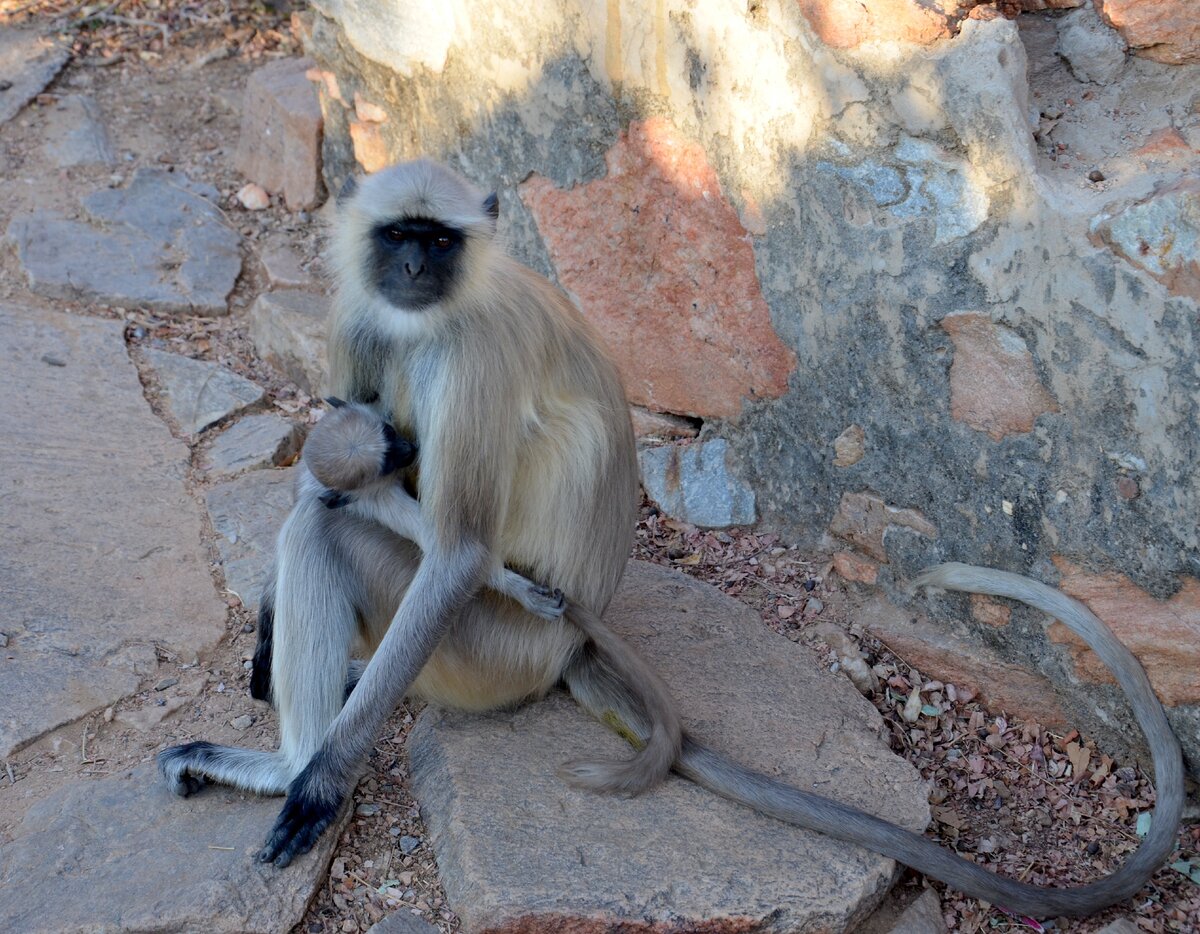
(355, 458)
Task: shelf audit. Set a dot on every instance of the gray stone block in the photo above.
(77, 134)
(160, 243)
(693, 482)
(103, 557)
(199, 393)
(518, 849)
(28, 63)
(254, 441)
(288, 329)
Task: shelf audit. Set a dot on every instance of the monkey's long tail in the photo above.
(637, 695)
(764, 794)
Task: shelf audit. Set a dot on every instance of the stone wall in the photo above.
(925, 277)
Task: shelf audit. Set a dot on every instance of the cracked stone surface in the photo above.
(160, 243)
(199, 393)
(30, 62)
(77, 134)
(123, 854)
(89, 521)
(678, 857)
(254, 441)
(246, 514)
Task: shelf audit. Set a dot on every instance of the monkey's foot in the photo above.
(304, 817)
(175, 766)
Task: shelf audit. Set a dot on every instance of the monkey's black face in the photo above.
(415, 261)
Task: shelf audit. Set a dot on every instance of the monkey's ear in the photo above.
(335, 402)
(491, 204)
(349, 187)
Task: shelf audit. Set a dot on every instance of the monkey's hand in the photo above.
(311, 806)
(548, 603)
(335, 499)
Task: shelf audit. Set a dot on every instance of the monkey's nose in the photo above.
(414, 273)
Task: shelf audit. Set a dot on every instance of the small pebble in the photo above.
(166, 683)
(253, 197)
(109, 713)
(367, 810)
(244, 722)
(1095, 176)
(813, 605)
(408, 844)
(247, 627)
(3, 641)
(249, 666)
(53, 360)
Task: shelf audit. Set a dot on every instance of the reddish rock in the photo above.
(1163, 30)
(656, 426)
(280, 142)
(370, 150)
(864, 519)
(659, 261)
(849, 447)
(989, 611)
(993, 384)
(328, 83)
(852, 567)
(1163, 634)
(844, 24)
(937, 653)
(368, 112)
(1164, 142)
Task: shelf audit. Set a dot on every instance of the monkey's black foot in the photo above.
(335, 499)
(175, 766)
(546, 602)
(304, 816)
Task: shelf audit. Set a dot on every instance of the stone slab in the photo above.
(693, 482)
(77, 134)
(161, 243)
(123, 854)
(402, 922)
(254, 441)
(28, 62)
(199, 393)
(519, 850)
(288, 329)
(102, 556)
(246, 514)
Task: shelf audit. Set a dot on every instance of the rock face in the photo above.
(124, 854)
(923, 219)
(280, 143)
(677, 858)
(160, 243)
(1162, 30)
(28, 62)
(199, 393)
(110, 506)
(254, 441)
(697, 298)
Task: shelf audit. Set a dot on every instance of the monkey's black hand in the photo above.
(335, 499)
(305, 815)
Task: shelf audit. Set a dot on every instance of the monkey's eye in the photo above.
(394, 234)
(443, 242)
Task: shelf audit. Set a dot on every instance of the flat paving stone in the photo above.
(77, 135)
(102, 556)
(246, 514)
(519, 850)
(161, 243)
(123, 854)
(253, 442)
(28, 63)
(198, 393)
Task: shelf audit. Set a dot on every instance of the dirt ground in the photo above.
(1009, 794)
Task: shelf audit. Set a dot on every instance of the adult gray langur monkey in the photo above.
(526, 461)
